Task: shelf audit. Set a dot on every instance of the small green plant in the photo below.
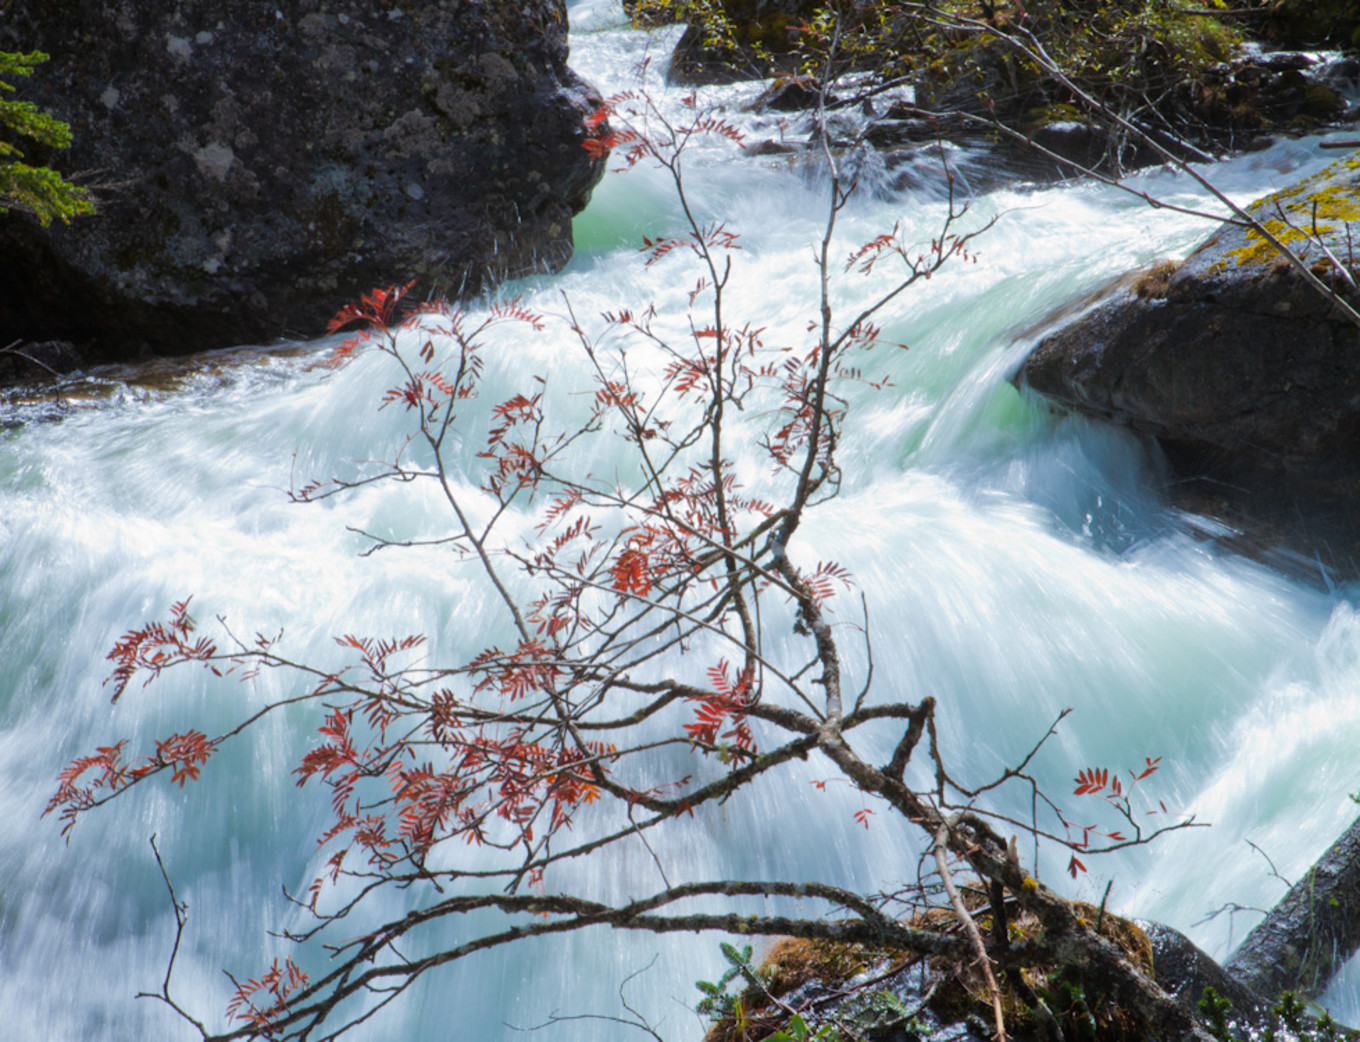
(717, 1002)
(1215, 1008)
(798, 1031)
(36, 190)
(755, 1008)
(1291, 1019)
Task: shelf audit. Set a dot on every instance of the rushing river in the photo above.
(1014, 562)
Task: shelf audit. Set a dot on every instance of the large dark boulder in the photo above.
(260, 162)
(1245, 374)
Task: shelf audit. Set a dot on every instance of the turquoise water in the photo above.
(1013, 562)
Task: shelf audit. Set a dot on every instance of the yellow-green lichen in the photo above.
(1259, 249)
(1324, 205)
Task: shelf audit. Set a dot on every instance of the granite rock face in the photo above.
(257, 164)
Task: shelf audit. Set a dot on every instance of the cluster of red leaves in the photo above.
(1098, 781)
(892, 244)
(642, 133)
(509, 778)
(711, 237)
(601, 138)
(391, 807)
(184, 754)
(633, 570)
(514, 310)
(726, 705)
(156, 646)
(527, 777)
(614, 395)
(336, 760)
(373, 312)
(89, 780)
(530, 668)
(1101, 782)
(104, 773)
(798, 375)
(274, 986)
(428, 388)
(111, 774)
(375, 309)
(517, 460)
(823, 581)
(690, 374)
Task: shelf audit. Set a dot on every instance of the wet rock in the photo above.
(770, 147)
(1091, 146)
(1242, 372)
(258, 164)
(790, 94)
(27, 362)
(1341, 73)
(760, 42)
(1312, 932)
(1184, 971)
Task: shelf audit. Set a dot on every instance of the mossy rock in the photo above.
(879, 993)
(791, 964)
(1320, 211)
(1079, 1006)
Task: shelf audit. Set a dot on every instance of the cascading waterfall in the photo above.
(1014, 563)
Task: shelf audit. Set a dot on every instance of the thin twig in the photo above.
(970, 926)
(181, 917)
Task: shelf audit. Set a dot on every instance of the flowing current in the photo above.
(1014, 562)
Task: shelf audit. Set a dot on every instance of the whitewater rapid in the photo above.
(1014, 562)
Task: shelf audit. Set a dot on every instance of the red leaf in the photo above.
(1091, 780)
(1151, 767)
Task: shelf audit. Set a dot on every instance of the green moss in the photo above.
(1071, 995)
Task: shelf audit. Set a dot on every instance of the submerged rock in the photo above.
(1243, 372)
(258, 164)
